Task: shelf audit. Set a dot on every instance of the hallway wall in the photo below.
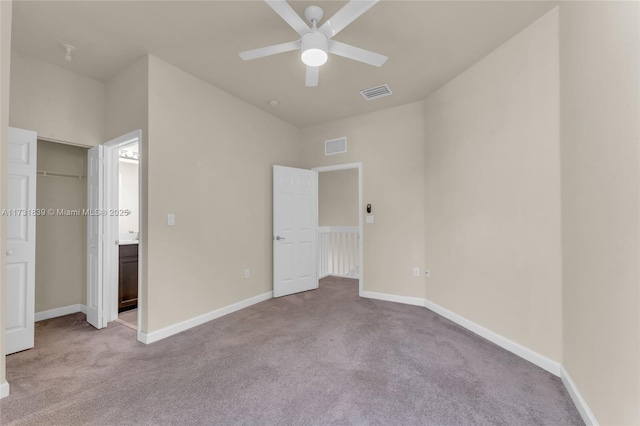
(338, 198)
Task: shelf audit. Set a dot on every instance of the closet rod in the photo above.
(55, 174)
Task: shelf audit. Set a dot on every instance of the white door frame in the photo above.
(95, 230)
(111, 237)
(348, 166)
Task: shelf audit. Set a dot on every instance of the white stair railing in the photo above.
(339, 251)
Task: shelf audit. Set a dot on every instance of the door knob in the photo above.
(9, 252)
(278, 238)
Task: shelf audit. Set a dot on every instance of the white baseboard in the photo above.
(163, 333)
(541, 361)
(59, 312)
(416, 301)
(4, 389)
(584, 410)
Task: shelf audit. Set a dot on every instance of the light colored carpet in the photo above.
(129, 318)
(320, 357)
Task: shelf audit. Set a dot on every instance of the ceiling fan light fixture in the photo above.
(314, 57)
(314, 43)
(314, 49)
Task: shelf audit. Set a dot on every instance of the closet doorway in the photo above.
(60, 273)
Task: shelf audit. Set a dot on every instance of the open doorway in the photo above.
(60, 192)
(113, 249)
(128, 234)
(340, 242)
(122, 229)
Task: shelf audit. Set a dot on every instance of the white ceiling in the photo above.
(428, 43)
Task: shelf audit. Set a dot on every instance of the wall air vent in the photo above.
(376, 92)
(335, 146)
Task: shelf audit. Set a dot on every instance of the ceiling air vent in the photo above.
(376, 92)
(335, 146)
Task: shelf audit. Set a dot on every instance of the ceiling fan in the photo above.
(316, 43)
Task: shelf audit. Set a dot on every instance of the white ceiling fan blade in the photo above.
(282, 8)
(352, 52)
(312, 76)
(349, 13)
(270, 50)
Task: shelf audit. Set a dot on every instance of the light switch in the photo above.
(171, 219)
(369, 218)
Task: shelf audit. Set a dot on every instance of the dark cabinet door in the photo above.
(128, 277)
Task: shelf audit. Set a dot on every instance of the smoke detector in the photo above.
(69, 49)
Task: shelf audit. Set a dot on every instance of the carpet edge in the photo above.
(407, 300)
(553, 367)
(59, 312)
(165, 332)
(585, 412)
(523, 352)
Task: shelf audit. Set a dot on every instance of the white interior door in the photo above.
(295, 230)
(95, 229)
(21, 239)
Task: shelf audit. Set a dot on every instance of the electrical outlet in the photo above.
(247, 273)
(427, 274)
(416, 271)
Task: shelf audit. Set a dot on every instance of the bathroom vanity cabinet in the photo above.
(128, 277)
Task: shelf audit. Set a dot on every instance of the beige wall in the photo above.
(390, 145)
(600, 110)
(58, 104)
(338, 198)
(492, 191)
(127, 101)
(5, 67)
(128, 199)
(127, 110)
(210, 163)
(61, 243)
